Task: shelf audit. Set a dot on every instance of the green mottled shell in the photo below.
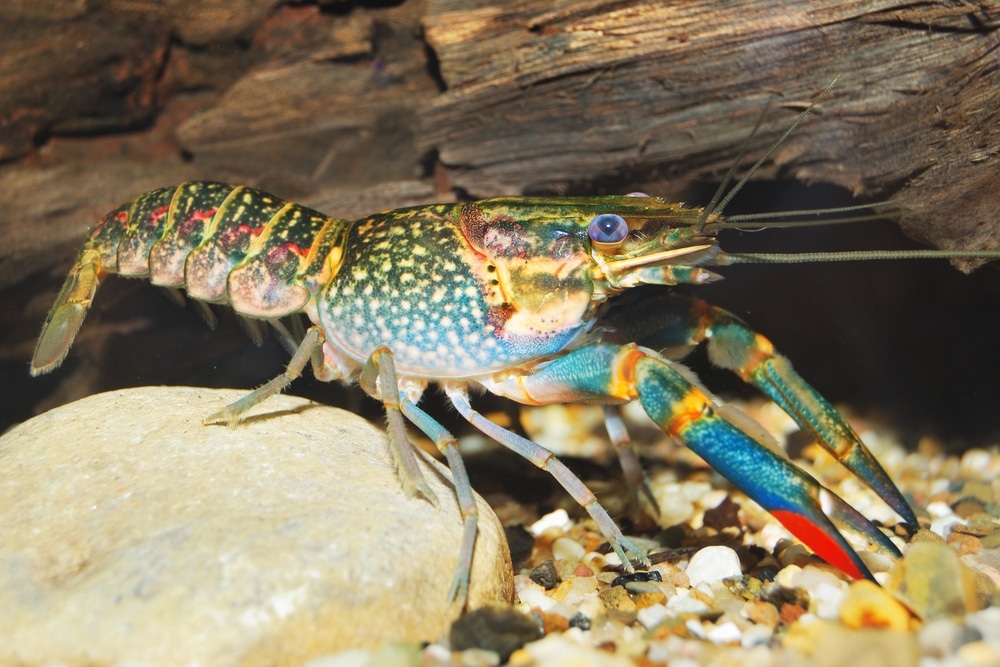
(264, 256)
(429, 282)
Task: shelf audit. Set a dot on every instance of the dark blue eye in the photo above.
(608, 228)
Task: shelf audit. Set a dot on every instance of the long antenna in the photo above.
(849, 256)
(716, 206)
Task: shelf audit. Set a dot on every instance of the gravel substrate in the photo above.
(729, 586)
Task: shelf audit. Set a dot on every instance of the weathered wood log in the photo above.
(82, 76)
(542, 94)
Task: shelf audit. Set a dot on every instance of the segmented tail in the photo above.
(225, 244)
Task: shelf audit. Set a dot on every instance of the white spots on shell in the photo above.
(410, 288)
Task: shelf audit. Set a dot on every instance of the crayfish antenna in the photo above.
(719, 202)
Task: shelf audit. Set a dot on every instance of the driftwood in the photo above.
(541, 94)
(358, 109)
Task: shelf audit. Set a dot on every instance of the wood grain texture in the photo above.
(543, 94)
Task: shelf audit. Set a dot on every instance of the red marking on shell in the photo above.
(498, 316)
(235, 239)
(120, 216)
(503, 237)
(195, 222)
(284, 259)
(156, 216)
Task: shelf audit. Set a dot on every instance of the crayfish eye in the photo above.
(607, 231)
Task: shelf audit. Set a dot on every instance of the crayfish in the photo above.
(514, 295)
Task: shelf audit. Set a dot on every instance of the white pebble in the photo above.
(787, 576)
(557, 519)
(975, 461)
(712, 499)
(535, 598)
(435, 654)
(683, 603)
(939, 509)
(555, 649)
(350, 658)
(695, 627)
(987, 621)
(942, 525)
(756, 635)
(978, 654)
(726, 633)
(479, 657)
(713, 564)
(825, 600)
(652, 616)
(564, 548)
(694, 491)
(937, 637)
(673, 507)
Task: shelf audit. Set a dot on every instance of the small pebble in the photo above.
(473, 657)
(712, 565)
(987, 623)
(685, 603)
(723, 515)
(935, 582)
(761, 613)
(534, 597)
(868, 605)
(652, 616)
(619, 604)
(978, 654)
(499, 629)
(545, 575)
(556, 519)
(559, 650)
(644, 600)
(637, 578)
(644, 587)
(757, 635)
(350, 658)
(975, 461)
(564, 548)
(939, 637)
(726, 633)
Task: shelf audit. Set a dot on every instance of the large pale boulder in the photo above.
(133, 533)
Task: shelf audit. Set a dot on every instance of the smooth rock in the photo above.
(712, 565)
(829, 644)
(934, 581)
(133, 533)
(868, 605)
